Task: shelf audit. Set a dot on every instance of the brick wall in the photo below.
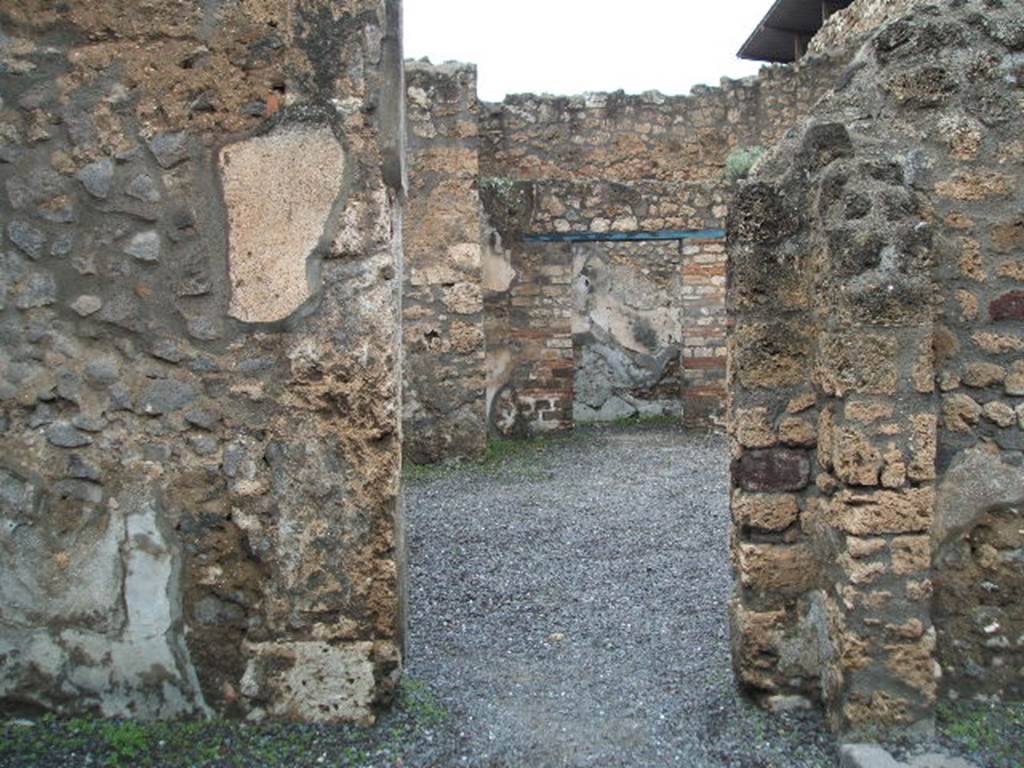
(529, 341)
(704, 331)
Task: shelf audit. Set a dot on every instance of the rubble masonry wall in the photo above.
(199, 357)
(875, 381)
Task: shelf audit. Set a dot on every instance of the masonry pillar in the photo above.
(199, 369)
(864, 254)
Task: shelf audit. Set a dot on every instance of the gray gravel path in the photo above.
(568, 608)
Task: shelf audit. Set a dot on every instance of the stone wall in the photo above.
(875, 401)
(599, 164)
(610, 165)
(443, 404)
(199, 394)
(849, 26)
(650, 137)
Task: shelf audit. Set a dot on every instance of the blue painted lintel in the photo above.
(593, 237)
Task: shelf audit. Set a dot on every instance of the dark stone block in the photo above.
(927, 86)
(169, 149)
(774, 469)
(37, 290)
(157, 452)
(120, 399)
(80, 469)
(166, 395)
(97, 178)
(203, 445)
(204, 365)
(89, 423)
(234, 455)
(102, 370)
(1009, 306)
(168, 350)
(825, 143)
(255, 365)
(78, 490)
(27, 238)
(204, 329)
(66, 436)
(143, 188)
(761, 214)
(63, 245)
(203, 419)
(41, 416)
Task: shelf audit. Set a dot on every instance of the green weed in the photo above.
(127, 742)
(420, 701)
(741, 161)
(994, 729)
(646, 420)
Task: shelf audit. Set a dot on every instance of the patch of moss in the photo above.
(416, 472)
(647, 420)
(199, 743)
(993, 729)
(524, 453)
(419, 700)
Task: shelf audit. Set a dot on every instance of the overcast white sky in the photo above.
(572, 46)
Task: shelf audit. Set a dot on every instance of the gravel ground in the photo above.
(567, 608)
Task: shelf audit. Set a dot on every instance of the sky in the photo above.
(573, 46)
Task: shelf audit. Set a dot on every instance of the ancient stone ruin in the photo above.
(876, 380)
(565, 256)
(200, 390)
(250, 258)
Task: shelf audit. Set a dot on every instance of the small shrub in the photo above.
(740, 161)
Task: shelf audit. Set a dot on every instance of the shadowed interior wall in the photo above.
(199, 357)
(443, 404)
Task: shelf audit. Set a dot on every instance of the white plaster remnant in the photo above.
(498, 272)
(117, 583)
(279, 190)
(499, 373)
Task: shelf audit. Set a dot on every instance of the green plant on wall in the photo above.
(740, 162)
(508, 200)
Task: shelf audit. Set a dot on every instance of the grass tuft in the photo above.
(993, 729)
(646, 420)
(740, 162)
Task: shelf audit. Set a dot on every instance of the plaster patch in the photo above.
(499, 373)
(130, 659)
(279, 190)
(498, 272)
